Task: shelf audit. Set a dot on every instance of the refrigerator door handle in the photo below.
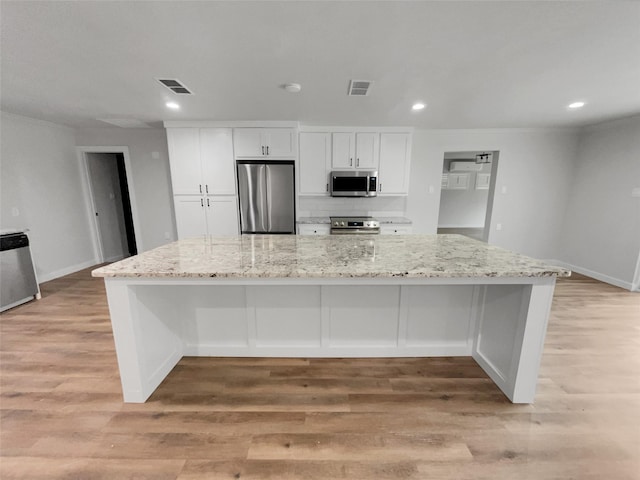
(267, 198)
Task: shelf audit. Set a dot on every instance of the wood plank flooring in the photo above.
(62, 416)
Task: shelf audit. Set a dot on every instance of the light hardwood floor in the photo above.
(62, 415)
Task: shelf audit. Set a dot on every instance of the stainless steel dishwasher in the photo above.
(18, 282)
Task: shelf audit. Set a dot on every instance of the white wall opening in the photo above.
(467, 191)
(110, 202)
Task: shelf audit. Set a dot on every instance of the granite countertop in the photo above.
(382, 220)
(330, 256)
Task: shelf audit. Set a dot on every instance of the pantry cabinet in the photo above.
(198, 215)
(315, 163)
(270, 143)
(203, 181)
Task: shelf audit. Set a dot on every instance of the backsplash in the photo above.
(327, 206)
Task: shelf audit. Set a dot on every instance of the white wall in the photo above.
(535, 168)
(40, 179)
(601, 237)
(151, 178)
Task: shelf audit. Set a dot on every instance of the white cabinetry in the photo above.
(264, 142)
(314, 229)
(395, 158)
(396, 229)
(315, 163)
(357, 150)
(203, 181)
(458, 181)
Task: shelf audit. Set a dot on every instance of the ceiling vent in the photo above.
(175, 86)
(359, 88)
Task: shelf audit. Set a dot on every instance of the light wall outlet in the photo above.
(167, 235)
(15, 212)
(431, 189)
(503, 190)
(635, 192)
(498, 226)
(155, 155)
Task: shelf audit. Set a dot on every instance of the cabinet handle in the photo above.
(201, 203)
(263, 149)
(357, 162)
(206, 187)
(208, 203)
(327, 187)
(350, 162)
(267, 149)
(200, 187)
(380, 187)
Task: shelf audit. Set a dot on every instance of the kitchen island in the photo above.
(330, 296)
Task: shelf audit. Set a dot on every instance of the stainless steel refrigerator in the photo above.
(267, 199)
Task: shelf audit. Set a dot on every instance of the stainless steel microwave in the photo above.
(354, 183)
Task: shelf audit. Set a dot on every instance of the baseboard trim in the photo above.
(597, 275)
(66, 271)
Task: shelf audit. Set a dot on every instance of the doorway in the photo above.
(110, 203)
(467, 191)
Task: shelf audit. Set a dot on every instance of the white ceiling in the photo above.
(476, 64)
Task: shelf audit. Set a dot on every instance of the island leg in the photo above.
(148, 344)
(510, 335)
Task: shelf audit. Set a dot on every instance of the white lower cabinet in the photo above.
(396, 229)
(314, 229)
(198, 215)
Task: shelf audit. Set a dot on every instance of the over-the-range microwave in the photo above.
(353, 183)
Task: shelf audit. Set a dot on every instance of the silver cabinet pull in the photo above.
(327, 187)
(357, 162)
(206, 187)
(200, 187)
(201, 203)
(267, 149)
(208, 205)
(380, 187)
(350, 162)
(263, 149)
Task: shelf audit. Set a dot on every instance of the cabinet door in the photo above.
(394, 164)
(367, 151)
(218, 165)
(458, 181)
(342, 150)
(184, 160)
(222, 215)
(315, 163)
(280, 142)
(396, 230)
(248, 142)
(190, 215)
(314, 229)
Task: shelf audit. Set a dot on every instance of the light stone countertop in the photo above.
(330, 256)
(382, 220)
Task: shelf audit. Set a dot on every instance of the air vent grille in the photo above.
(176, 86)
(359, 88)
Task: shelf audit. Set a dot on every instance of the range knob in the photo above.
(335, 224)
(342, 224)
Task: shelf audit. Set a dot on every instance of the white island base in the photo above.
(500, 322)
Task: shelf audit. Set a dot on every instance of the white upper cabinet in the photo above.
(201, 161)
(315, 163)
(218, 166)
(264, 142)
(184, 160)
(367, 145)
(395, 158)
(357, 150)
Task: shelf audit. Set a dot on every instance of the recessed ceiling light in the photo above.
(292, 87)
(418, 106)
(173, 105)
(576, 105)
